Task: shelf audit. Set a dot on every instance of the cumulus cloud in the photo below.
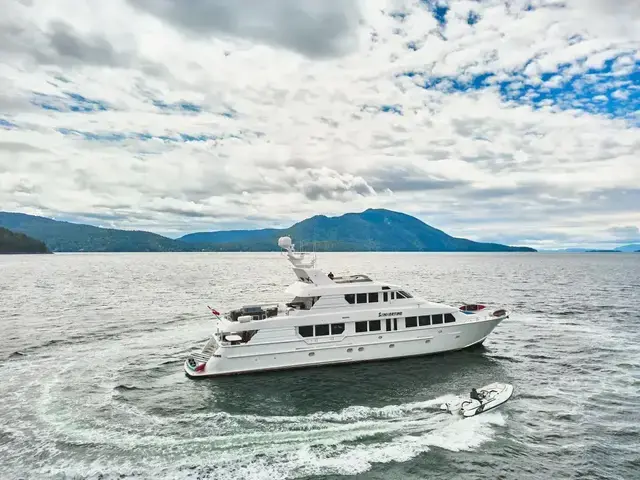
(479, 117)
(316, 29)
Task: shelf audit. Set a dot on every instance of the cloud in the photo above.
(493, 119)
(67, 46)
(329, 184)
(410, 178)
(315, 29)
(60, 44)
(13, 147)
(626, 234)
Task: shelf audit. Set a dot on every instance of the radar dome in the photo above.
(284, 242)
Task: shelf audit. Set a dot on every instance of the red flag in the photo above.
(200, 367)
(215, 312)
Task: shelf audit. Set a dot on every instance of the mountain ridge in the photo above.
(370, 230)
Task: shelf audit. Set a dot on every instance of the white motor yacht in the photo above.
(335, 320)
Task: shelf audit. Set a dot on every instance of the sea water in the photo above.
(92, 386)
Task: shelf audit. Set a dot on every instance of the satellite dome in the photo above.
(284, 242)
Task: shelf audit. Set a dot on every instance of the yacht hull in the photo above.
(348, 349)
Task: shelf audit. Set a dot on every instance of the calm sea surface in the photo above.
(100, 391)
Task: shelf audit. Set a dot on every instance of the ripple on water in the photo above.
(101, 392)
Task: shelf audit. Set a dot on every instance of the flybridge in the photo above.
(304, 266)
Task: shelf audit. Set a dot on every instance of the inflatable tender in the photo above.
(491, 396)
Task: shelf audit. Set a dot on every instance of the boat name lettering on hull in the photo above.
(389, 314)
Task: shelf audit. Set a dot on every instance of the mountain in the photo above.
(624, 248)
(74, 237)
(371, 230)
(11, 242)
(634, 247)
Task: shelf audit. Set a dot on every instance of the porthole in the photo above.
(457, 336)
(427, 340)
(379, 337)
(360, 349)
(391, 345)
(311, 354)
(349, 350)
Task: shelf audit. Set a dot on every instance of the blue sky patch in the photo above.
(7, 124)
(397, 109)
(601, 90)
(178, 106)
(188, 107)
(438, 9)
(68, 102)
(473, 18)
(118, 137)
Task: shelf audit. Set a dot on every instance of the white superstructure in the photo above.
(333, 320)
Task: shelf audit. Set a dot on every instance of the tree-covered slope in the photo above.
(371, 230)
(74, 237)
(15, 242)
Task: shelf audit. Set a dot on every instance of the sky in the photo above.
(515, 121)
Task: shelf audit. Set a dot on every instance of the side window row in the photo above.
(371, 297)
(424, 320)
(321, 330)
(374, 297)
(370, 326)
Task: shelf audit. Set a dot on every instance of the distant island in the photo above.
(631, 248)
(14, 243)
(374, 230)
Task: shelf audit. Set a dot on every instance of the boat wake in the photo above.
(239, 446)
(88, 421)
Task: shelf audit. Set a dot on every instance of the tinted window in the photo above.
(337, 328)
(436, 319)
(322, 330)
(449, 318)
(400, 295)
(361, 327)
(393, 295)
(395, 323)
(350, 298)
(374, 325)
(361, 298)
(424, 320)
(411, 322)
(306, 331)
(373, 297)
(388, 322)
(406, 294)
(385, 297)
(385, 288)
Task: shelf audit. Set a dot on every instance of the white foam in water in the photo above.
(408, 430)
(126, 440)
